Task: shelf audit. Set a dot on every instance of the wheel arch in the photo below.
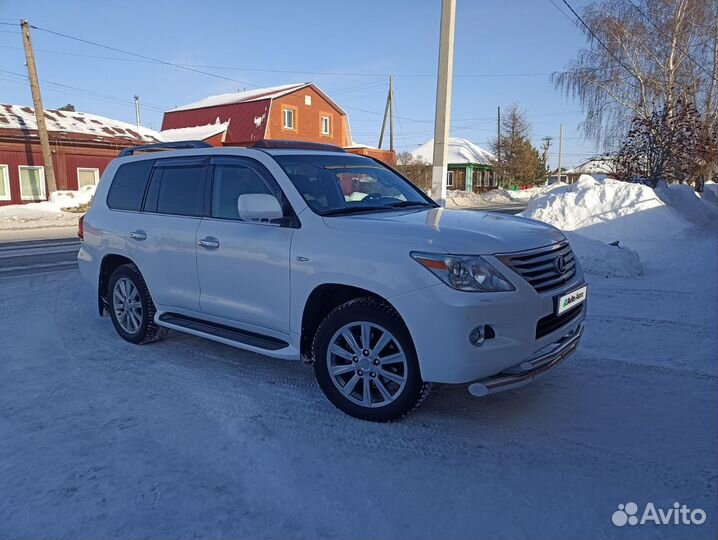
(321, 301)
(110, 262)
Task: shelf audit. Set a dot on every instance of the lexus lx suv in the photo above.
(305, 252)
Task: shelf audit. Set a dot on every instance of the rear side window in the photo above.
(177, 190)
(128, 185)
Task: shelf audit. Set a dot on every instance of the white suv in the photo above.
(303, 251)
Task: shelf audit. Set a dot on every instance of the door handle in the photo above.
(209, 243)
(138, 235)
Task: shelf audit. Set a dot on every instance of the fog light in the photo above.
(476, 336)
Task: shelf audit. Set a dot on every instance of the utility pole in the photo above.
(498, 140)
(137, 110)
(546, 145)
(560, 149)
(37, 105)
(388, 113)
(443, 101)
(391, 113)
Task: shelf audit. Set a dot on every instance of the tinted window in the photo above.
(128, 185)
(179, 190)
(231, 181)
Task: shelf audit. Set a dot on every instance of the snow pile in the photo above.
(600, 259)
(608, 210)
(463, 199)
(683, 198)
(47, 213)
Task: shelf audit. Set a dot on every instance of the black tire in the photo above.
(379, 313)
(148, 331)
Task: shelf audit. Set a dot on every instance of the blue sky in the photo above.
(504, 53)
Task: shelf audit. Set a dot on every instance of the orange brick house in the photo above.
(301, 112)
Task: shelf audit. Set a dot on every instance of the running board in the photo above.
(220, 332)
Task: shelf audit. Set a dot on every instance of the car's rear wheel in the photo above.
(131, 307)
(365, 361)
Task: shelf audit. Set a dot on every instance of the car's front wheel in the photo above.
(365, 361)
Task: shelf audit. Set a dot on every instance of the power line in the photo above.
(142, 56)
(87, 93)
(287, 71)
(590, 31)
(669, 38)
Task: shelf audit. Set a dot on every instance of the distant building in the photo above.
(82, 145)
(290, 112)
(599, 167)
(469, 166)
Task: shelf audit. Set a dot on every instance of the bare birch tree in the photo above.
(643, 56)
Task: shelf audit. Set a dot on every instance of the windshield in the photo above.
(347, 183)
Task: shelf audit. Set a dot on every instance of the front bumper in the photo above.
(528, 371)
(440, 320)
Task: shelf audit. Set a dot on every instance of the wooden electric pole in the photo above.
(388, 115)
(443, 101)
(39, 110)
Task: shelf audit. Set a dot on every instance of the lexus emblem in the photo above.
(560, 264)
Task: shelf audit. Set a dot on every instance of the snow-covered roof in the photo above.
(194, 133)
(355, 144)
(602, 165)
(19, 117)
(460, 151)
(242, 97)
(258, 94)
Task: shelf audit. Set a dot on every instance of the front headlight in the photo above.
(464, 273)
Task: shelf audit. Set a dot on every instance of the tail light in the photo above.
(81, 227)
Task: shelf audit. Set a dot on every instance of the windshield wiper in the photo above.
(405, 204)
(352, 210)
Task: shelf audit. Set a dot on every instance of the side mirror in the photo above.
(259, 207)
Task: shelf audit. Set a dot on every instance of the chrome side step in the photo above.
(527, 371)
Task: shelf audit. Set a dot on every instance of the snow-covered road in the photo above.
(188, 438)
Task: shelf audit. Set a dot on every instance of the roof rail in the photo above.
(295, 145)
(179, 145)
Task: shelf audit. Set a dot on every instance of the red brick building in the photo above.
(82, 145)
(290, 112)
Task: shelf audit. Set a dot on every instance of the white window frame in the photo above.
(42, 182)
(6, 176)
(93, 169)
(329, 124)
(284, 118)
(450, 179)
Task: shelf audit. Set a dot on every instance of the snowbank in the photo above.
(47, 213)
(604, 260)
(611, 210)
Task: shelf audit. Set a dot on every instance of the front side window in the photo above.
(326, 125)
(4, 183)
(288, 122)
(346, 183)
(178, 190)
(231, 181)
(32, 183)
(87, 177)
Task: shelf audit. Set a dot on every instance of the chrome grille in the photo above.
(539, 266)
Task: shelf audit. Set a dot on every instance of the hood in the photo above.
(453, 231)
